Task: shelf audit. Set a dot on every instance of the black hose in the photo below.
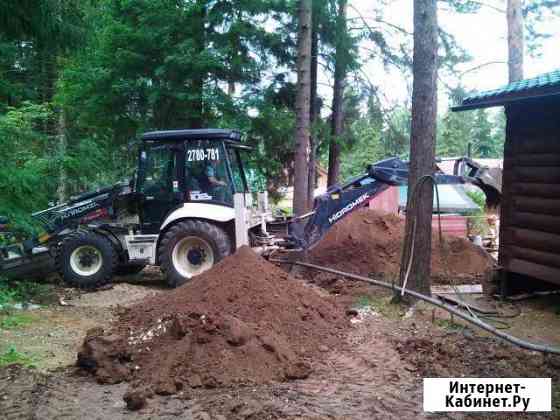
(509, 338)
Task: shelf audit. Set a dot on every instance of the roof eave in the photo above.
(477, 105)
(502, 101)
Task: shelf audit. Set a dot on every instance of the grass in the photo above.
(21, 291)
(448, 324)
(12, 293)
(12, 356)
(380, 304)
(13, 320)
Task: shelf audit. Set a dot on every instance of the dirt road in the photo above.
(366, 379)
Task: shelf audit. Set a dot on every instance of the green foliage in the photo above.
(478, 225)
(366, 149)
(535, 12)
(274, 149)
(11, 356)
(381, 304)
(8, 295)
(159, 65)
(454, 134)
(449, 324)
(26, 175)
(12, 291)
(80, 80)
(483, 130)
(373, 137)
(478, 197)
(16, 320)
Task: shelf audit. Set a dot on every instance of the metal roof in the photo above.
(197, 134)
(544, 85)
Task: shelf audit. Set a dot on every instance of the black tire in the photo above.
(104, 255)
(214, 236)
(128, 269)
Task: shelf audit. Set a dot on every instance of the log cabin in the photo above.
(530, 205)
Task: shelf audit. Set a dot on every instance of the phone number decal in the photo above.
(196, 155)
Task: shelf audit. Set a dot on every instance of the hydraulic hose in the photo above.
(486, 327)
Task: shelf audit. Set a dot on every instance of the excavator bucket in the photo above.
(489, 180)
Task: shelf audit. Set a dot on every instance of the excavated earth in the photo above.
(230, 344)
(370, 243)
(245, 321)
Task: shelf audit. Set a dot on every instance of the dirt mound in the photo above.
(243, 321)
(371, 242)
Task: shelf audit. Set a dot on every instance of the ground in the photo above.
(377, 373)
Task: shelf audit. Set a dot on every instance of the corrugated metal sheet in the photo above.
(451, 224)
(546, 84)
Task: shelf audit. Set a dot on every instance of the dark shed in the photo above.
(530, 209)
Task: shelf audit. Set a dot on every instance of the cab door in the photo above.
(207, 173)
(158, 185)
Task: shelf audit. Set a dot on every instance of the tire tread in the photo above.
(218, 235)
(81, 236)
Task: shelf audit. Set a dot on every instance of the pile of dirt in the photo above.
(370, 242)
(243, 321)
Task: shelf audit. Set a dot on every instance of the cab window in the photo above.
(206, 172)
(236, 170)
(159, 172)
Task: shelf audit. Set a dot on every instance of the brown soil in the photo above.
(369, 242)
(463, 354)
(376, 373)
(245, 321)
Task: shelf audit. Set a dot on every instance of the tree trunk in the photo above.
(231, 88)
(61, 191)
(301, 170)
(313, 108)
(516, 47)
(422, 144)
(337, 121)
(196, 118)
(235, 47)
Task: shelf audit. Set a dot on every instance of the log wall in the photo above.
(530, 211)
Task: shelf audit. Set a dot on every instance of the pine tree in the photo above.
(516, 40)
(340, 70)
(301, 171)
(422, 146)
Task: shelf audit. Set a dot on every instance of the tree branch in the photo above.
(368, 26)
(475, 68)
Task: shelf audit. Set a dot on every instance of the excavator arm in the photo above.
(341, 200)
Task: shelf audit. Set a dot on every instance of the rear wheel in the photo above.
(86, 260)
(191, 247)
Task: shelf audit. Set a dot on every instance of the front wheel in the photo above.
(86, 260)
(191, 247)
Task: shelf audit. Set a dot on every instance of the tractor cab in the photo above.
(185, 166)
